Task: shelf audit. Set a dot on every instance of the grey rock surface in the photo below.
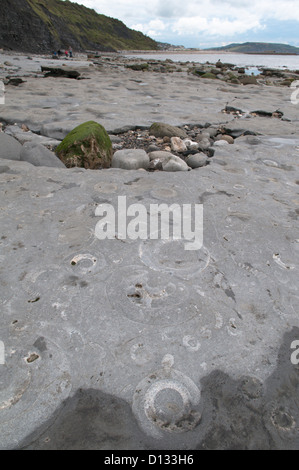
(10, 148)
(29, 136)
(162, 129)
(126, 343)
(38, 155)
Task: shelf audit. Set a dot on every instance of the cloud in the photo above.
(153, 29)
(190, 18)
(168, 10)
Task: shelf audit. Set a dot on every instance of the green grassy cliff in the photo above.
(40, 25)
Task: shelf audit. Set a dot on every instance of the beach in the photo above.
(146, 344)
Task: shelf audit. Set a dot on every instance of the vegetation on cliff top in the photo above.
(56, 23)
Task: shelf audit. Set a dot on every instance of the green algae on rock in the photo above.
(210, 75)
(86, 146)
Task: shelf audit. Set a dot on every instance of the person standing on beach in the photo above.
(70, 52)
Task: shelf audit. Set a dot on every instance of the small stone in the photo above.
(153, 148)
(205, 135)
(168, 161)
(229, 139)
(190, 144)
(155, 164)
(204, 144)
(159, 129)
(248, 80)
(130, 159)
(86, 146)
(220, 143)
(197, 160)
(159, 154)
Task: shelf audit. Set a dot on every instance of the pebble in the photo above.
(196, 161)
(220, 143)
(229, 139)
(130, 159)
(177, 145)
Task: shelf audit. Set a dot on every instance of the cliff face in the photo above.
(47, 25)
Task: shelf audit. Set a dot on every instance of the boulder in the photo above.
(86, 146)
(10, 148)
(159, 154)
(130, 159)
(38, 155)
(159, 129)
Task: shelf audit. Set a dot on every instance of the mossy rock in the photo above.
(86, 146)
(232, 76)
(234, 80)
(209, 75)
(197, 71)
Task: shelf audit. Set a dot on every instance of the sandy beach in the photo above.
(145, 344)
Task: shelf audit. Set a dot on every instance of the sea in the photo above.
(252, 62)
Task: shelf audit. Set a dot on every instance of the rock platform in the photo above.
(140, 344)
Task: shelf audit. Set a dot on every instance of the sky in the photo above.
(206, 23)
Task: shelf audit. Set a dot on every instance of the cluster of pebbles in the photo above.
(194, 147)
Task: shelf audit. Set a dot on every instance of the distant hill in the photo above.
(47, 25)
(258, 48)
